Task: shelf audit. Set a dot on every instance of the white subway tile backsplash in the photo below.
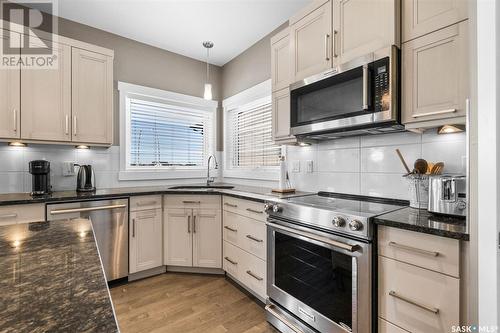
(384, 159)
(353, 142)
(384, 185)
(11, 182)
(339, 182)
(450, 153)
(11, 160)
(338, 160)
(390, 139)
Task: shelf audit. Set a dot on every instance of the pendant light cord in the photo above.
(208, 71)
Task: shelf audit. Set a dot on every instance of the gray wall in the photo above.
(251, 67)
(146, 65)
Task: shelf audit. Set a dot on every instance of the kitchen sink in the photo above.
(201, 187)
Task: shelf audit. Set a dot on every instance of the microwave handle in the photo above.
(366, 83)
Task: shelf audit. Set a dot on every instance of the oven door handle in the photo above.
(334, 243)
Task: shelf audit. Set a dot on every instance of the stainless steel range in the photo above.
(319, 268)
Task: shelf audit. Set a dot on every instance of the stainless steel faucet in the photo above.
(211, 179)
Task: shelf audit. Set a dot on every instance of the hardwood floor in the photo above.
(184, 303)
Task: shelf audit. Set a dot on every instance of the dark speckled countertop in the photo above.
(420, 220)
(246, 192)
(51, 279)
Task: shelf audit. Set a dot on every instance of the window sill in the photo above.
(164, 174)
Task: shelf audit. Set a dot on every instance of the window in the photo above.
(166, 135)
(249, 148)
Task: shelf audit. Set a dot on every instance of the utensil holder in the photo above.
(418, 189)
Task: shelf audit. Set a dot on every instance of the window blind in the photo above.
(163, 135)
(249, 139)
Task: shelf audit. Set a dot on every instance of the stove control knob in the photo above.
(277, 209)
(338, 221)
(267, 207)
(355, 225)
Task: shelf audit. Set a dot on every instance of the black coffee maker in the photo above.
(40, 177)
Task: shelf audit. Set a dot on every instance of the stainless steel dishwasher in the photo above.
(110, 223)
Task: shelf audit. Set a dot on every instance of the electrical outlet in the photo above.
(309, 166)
(68, 169)
(296, 166)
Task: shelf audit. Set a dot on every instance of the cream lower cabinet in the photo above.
(192, 233)
(413, 293)
(245, 244)
(92, 97)
(435, 77)
(17, 214)
(145, 234)
(10, 96)
(361, 27)
(311, 40)
(46, 99)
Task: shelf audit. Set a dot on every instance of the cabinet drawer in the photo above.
(251, 209)
(145, 202)
(192, 201)
(417, 299)
(247, 234)
(432, 252)
(22, 214)
(231, 260)
(387, 327)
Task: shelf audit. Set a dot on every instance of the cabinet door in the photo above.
(281, 115)
(311, 43)
(435, 75)
(362, 27)
(92, 97)
(207, 238)
(10, 94)
(280, 60)
(421, 17)
(146, 240)
(178, 237)
(46, 99)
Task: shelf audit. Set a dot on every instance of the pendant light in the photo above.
(208, 86)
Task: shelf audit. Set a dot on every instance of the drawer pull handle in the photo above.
(230, 229)
(86, 209)
(8, 216)
(191, 202)
(230, 204)
(410, 301)
(231, 261)
(432, 113)
(254, 239)
(255, 211)
(148, 203)
(256, 277)
(133, 228)
(414, 249)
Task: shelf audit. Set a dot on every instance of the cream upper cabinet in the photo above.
(207, 238)
(145, 240)
(421, 17)
(281, 115)
(280, 60)
(92, 97)
(46, 99)
(361, 27)
(10, 95)
(435, 75)
(311, 40)
(179, 241)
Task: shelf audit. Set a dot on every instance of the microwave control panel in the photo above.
(381, 82)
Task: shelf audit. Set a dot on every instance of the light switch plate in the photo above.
(68, 169)
(309, 166)
(296, 166)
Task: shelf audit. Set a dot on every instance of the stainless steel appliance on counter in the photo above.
(447, 195)
(319, 266)
(85, 181)
(355, 98)
(110, 224)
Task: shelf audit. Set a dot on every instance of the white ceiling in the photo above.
(181, 26)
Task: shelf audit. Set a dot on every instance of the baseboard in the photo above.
(196, 270)
(146, 273)
(245, 289)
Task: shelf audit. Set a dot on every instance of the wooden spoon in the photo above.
(420, 166)
(403, 161)
(437, 169)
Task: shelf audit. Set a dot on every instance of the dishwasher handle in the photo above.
(86, 209)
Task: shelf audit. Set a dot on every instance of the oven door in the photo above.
(322, 279)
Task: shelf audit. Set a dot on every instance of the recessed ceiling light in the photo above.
(447, 129)
(17, 144)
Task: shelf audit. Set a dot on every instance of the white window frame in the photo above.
(128, 91)
(259, 93)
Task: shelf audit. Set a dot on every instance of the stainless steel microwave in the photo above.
(356, 98)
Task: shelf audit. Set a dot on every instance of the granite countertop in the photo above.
(422, 221)
(246, 192)
(51, 279)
